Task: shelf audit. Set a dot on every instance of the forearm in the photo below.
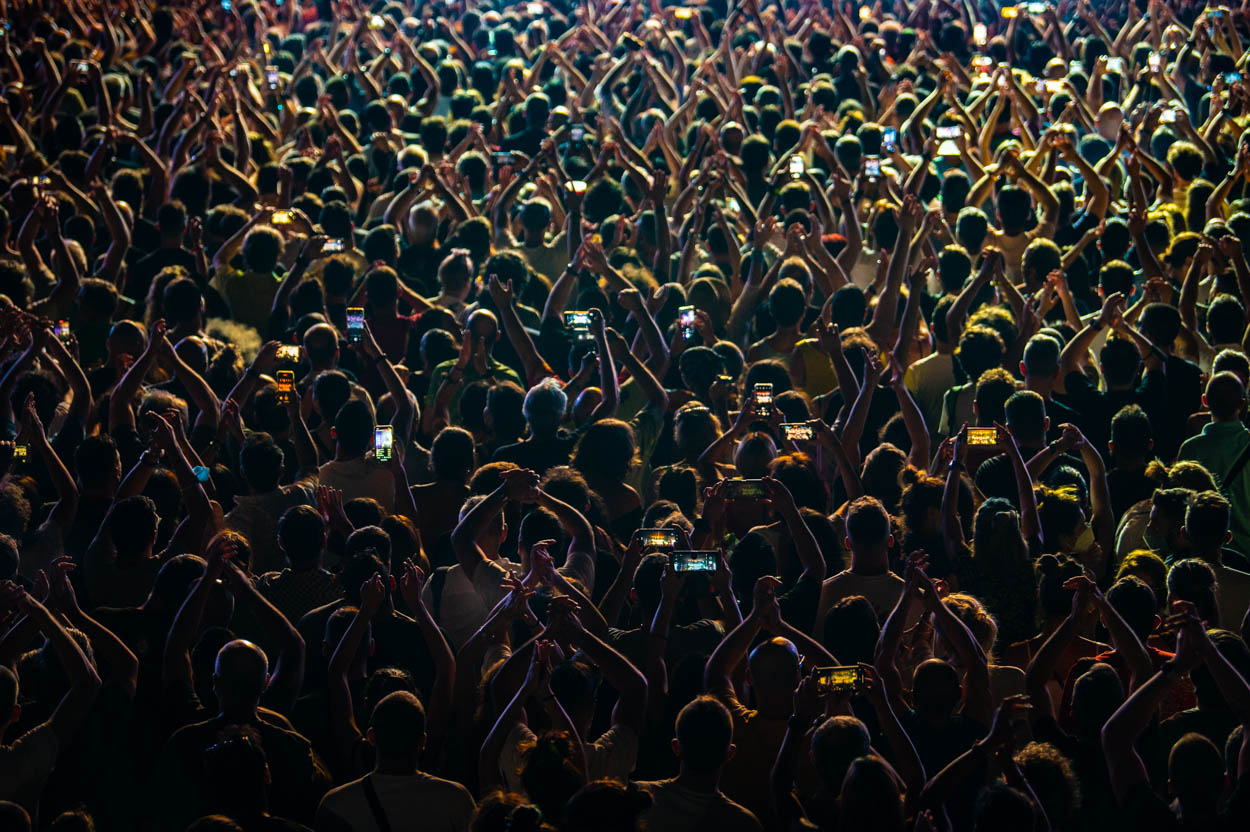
(730, 652)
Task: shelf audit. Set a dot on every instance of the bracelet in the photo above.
(381, 357)
(956, 465)
(1096, 325)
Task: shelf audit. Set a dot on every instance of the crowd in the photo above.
(611, 415)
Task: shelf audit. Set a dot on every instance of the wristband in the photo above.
(955, 465)
(1096, 325)
(381, 357)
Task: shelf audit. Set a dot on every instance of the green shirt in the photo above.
(1216, 449)
(496, 370)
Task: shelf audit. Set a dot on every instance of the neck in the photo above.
(699, 781)
(401, 766)
(1041, 386)
(240, 714)
(872, 562)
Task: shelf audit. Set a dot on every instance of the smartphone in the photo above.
(1155, 61)
(658, 538)
(42, 181)
(501, 158)
(226, 5)
(1115, 64)
(355, 324)
(797, 166)
(1232, 77)
(534, 8)
(82, 67)
(383, 443)
(21, 453)
(376, 22)
(62, 331)
(1037, 8)
(980, 34)
(983, 436)
(865, 12)
(1215, 13)
(763, 396)
(796, 431)
(281, 217)
(1168, 116)
(726, 380)
(685, 319)
(1053, 86)
(288, 352)
(949, 132)
(1010, 11)
(202, 474)
(1076, 66)
(576, 186)
(271, 77)
(286, 386)
(683, 14)
(577, 134)
(889, 139)
(872, 167)
(743, 489)
(982, 64)
(577, 321)
(336, 245)
(849, 679)
(631, 43)
(695, 561)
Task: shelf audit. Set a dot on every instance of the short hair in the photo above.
(954, 267)
(867, 522)
(704, 734)
(1014, 207)
(453, 453)
(1225, 395)
(261, 462)
(1116, 276)
(1196, 772)
(353, 426)
(398, 724)
(261, 248)
(1186, 159)
(301, 533)
(1207, 518)
(1054, 782)
(836, 743)
(1194, 580)
(1120, 360)
(132, 524)
(980, 349)
(994, 387)
(1026, 414)
(1160, 323)
(1041, 356)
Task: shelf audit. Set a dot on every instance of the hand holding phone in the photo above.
(383, 443)
(355, 324)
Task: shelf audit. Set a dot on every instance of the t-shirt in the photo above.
(360, 477)
(1143, 808)
(418, 801)
(256, 516)
(928, 380)
(611, 757)
(25, 762)
(678, 807)
(882, 591)
(250, 295)
(464, 603)
(538, 454)
(1216, 449)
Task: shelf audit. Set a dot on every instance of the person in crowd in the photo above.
(545, 417)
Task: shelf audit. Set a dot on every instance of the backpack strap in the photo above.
(1239, 465)
(375, 804)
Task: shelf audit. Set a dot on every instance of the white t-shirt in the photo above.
(881, 590)
(27, 761)
(611, 757)
(362, 477)
(464, 604)
(678, 807)
(411, 802)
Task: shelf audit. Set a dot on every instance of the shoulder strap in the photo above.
(436, 590)
(1239, 465)
(375, 804)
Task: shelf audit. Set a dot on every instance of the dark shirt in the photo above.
(538, 454)
(141, 273)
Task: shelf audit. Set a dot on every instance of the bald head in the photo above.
(1225, 396)
(775, 662)
(483, 323)
(240, 673)
(321, 343)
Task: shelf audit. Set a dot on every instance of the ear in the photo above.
(15, 714)
(1204, 401)
(370, 737)
(1228, 537)
(1022, 372)
(675, 746)
(1048, 424)
(729, 755)
(846, 542)
(890, 542)
(334, 434)
(976, 409)
(1111, 447)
